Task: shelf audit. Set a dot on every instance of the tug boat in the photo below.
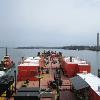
(6, 65)
(7, 62)
(6, 76)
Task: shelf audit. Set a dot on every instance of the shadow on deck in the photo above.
(67, 95)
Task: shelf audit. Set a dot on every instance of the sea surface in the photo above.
(92, 57)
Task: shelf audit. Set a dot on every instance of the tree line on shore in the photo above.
(94, 48)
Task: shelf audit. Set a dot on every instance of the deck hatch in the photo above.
(78, 83)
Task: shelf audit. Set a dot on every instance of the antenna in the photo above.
(6, 51)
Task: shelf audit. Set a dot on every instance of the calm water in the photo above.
(91, 56)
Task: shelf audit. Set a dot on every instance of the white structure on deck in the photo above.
(92, 80)
(31, 61)
(75, 60)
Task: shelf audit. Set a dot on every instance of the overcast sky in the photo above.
(49, 22)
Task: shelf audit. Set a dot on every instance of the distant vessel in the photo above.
(6, 65)
(6, 79)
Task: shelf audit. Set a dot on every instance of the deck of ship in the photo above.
(65, 89)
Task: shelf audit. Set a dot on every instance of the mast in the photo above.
(6, 51)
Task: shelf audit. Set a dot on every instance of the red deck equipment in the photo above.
(71, 66)
(28, 70)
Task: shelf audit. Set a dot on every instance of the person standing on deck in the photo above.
(42, 63)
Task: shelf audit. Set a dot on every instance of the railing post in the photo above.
(15, 80)
(99, 73)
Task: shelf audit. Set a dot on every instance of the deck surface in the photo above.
(65, 93)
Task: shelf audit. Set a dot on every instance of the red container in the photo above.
(27, 73)
(84, 68)
(70, 69)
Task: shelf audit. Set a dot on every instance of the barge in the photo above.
(53, 77)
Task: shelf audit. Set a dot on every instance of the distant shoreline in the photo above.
(92, 48)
